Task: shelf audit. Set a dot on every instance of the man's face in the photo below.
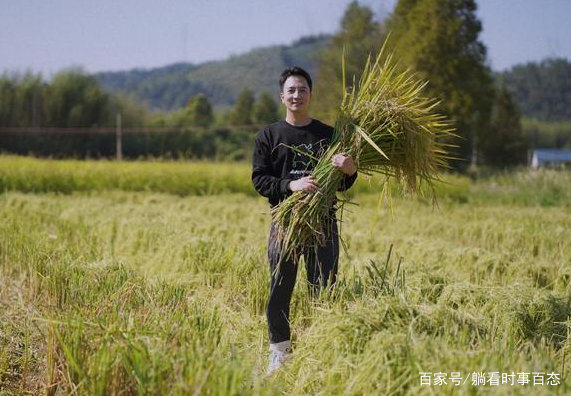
(296, 94)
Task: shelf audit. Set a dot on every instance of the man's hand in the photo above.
(344, 163)
(307, 183)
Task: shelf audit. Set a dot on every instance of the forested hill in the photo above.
(171, 87)
(542, 90)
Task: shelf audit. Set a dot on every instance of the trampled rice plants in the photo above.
(145, 293)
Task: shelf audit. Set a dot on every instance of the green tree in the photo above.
(133, 114)
(505, 145)
(6, 100)
(439, 40)
(358, 37)
(198, 111)
(21, 99)
(243, 109)
(266, 109)
(542, 90)
(76, 100)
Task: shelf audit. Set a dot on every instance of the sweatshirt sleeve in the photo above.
(265, 183)
(347, 182)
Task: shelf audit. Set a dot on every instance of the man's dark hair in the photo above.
(295, 71)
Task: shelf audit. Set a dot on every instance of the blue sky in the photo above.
(46, 36)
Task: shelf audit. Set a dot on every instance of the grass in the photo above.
(172, 177)
(119, 292)
(29, 175)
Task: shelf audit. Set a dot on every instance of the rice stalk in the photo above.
(388, 127)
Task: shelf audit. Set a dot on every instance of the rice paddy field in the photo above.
(150, 278)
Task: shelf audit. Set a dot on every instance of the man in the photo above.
(284, 156)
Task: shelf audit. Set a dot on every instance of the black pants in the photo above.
(321, 265)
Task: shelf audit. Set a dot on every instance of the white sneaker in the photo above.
(278, 355)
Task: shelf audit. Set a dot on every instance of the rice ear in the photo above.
(388, 127)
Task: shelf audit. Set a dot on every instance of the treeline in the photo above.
(74, 99)
(542, 90)
(543, 134)
(543, 94)
(71, 99)
(199, 112)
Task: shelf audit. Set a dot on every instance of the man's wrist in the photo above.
(284, 186)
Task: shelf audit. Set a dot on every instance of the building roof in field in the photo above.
(552, 155)
(549, 157)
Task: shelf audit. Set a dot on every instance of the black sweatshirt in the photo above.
(283, 152)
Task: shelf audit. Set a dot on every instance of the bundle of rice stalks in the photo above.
(387, 126)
